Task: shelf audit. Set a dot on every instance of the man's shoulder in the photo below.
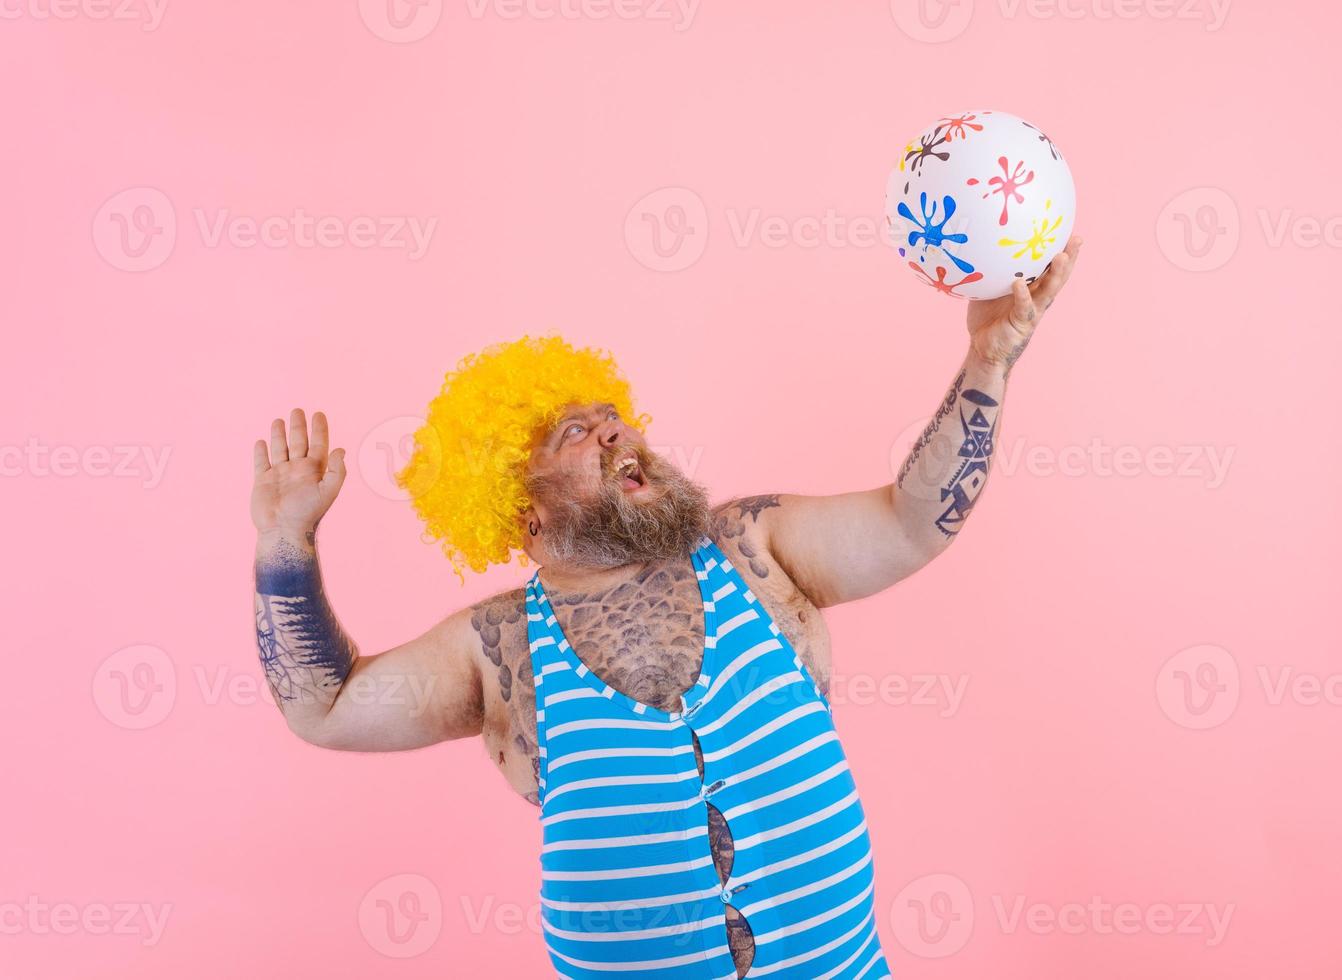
(500, 621)
(741, 528)
(745, 517)
(499, 625)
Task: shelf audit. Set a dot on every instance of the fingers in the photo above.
(334, 477)
(260, 458)
(1059, 271)
(279, 446)
(293, 443)
(298, 434)
(321, 436)
(1022, 306)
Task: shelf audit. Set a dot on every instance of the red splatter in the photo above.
(939, 283)
(1008, 185)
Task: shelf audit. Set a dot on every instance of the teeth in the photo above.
(626, 464)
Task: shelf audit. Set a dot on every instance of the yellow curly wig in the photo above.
(466, 475)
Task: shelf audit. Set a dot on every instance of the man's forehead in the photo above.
(579, 407)
(578, 410)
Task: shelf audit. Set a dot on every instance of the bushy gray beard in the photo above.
(611, 528)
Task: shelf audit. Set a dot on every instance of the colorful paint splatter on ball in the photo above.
(1008, 185)
(1051, 148)
(1043, 233)
(959, 126)
(927, 147)
(939, 283)
(931, 232)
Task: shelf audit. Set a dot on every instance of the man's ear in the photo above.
(531, 543)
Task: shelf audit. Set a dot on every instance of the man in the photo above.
(658, 687)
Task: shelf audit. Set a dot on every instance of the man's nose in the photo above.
(609, 433)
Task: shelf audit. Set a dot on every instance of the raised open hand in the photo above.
(295, 480)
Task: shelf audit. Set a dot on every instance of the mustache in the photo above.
(647, 460)
(607, 527)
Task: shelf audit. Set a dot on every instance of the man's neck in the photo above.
(579, 579)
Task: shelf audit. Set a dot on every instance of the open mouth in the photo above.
(630, 474)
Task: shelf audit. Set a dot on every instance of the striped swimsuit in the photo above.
(628, 884)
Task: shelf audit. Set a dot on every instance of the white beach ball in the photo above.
(979, 200)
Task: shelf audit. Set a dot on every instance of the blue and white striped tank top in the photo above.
(628, 883)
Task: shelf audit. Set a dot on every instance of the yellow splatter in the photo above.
(1042, 235)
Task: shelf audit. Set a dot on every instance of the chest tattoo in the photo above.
(644, 637)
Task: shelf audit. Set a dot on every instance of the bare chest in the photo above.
(644, 638)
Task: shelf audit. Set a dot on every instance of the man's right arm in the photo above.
(421, 692)
(425, 691)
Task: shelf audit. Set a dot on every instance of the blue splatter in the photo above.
(932, 232)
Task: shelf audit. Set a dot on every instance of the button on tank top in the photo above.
(628, 884)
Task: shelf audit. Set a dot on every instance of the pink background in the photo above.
(1079, 763)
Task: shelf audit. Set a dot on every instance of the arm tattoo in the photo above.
(303, 650)
(946, 405)
(975, 453)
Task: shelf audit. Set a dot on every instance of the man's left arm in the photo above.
(850, 545)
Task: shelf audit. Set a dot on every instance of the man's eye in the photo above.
(570, 429)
